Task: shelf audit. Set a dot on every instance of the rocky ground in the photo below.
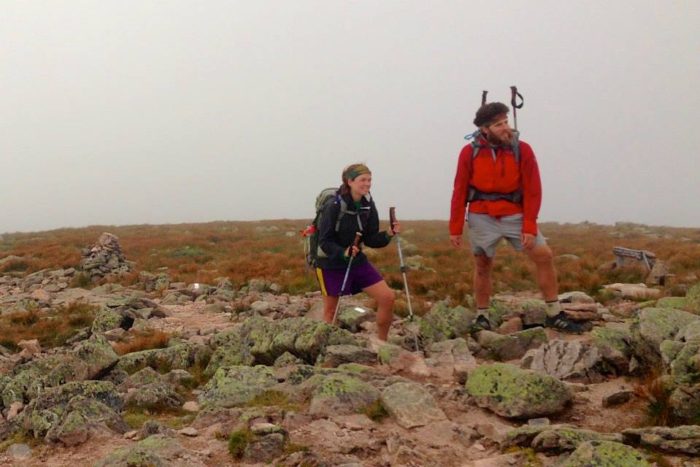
(252, 376)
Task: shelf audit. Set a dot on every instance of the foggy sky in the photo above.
(132, 112)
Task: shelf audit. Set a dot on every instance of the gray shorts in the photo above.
(486, 231)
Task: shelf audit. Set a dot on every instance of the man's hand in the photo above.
(456, 240)
(528, 241)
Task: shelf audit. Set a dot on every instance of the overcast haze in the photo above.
(132, 112)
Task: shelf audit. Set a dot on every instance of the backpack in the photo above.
(312, 250)
(476, 195)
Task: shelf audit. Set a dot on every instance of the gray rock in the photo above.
(259, 341)
(511, 346)
(335, 355)
(568, 360)
(602, 453)
(178, 356)
(98, 355)
(515, 393)
(681, 439)
(443, 323)
(652, 327)
(351, 317)
(154, 451)
(553, 438)
(411, 405)
(236, 385)
(340, 394)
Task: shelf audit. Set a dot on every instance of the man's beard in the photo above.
(493, 139)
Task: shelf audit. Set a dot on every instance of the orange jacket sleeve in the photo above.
(459, 192)
(532, 188)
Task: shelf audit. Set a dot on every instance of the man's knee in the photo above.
(483, 265)
(542, 254)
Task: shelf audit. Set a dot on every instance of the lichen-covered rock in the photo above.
(442, 323)
(236, 385)
(654, 325)
(260, 341)
(340, 394)
(511, 346)
(684, 403)
(98, 355)
(605, 454)
(515, 393)
(350, 317)
(154, 451)
(107, 319)
(693, 298)
(30, 379)
(49, 409)
(554, 438)
(411, 405)
(568, 360)
(147, 389)
(335, 355)
(679, 303)
(178, 356)
(614, 346)
(83, 416)
(683, 439)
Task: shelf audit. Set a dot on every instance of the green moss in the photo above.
(238, 441)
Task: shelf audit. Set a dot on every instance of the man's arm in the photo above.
(459, 195)
(532, 189)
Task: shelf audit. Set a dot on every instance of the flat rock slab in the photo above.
(411, 405)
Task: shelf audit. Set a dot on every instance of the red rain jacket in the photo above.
(501, 175)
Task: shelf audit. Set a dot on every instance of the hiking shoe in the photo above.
(562, 322)
(482, 323)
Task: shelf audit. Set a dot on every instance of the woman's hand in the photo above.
(395, 228)
(352, 251)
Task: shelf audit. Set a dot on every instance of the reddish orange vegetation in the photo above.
(52, 329)
(244, 250)
(142, 340)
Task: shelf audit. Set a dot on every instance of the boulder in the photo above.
(605, 453)
(236, 385)
(98, 355)
(511, 346)
(568, 360)
(442, 323)
(683, 439)
(411, 405)
(654, 325)
(260, 341)
(340, 394)
(515, 393)
(335, 355)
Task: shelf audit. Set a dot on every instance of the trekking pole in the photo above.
(514, 94)
(356, 242)
(392, 221)
(483, 97)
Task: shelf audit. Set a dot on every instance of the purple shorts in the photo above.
(360, 277)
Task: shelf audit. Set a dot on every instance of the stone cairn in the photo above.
(105, 258)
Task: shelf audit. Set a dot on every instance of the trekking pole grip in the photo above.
(392, 218)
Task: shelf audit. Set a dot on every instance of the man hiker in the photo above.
(498, 179)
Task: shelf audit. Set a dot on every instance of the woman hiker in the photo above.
(351, 211)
